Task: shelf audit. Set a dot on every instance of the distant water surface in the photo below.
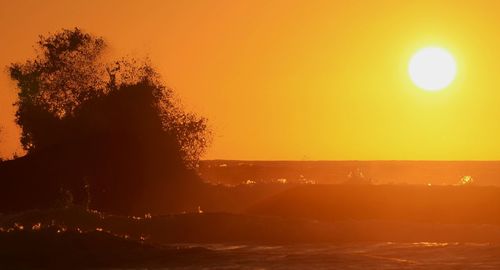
(334, 172)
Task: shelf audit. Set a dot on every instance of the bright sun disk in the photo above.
(432, 68)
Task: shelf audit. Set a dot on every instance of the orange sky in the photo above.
(296, 79)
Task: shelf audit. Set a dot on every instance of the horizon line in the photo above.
(354, 160)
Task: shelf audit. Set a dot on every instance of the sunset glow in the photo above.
(323, 80)
(250, 134)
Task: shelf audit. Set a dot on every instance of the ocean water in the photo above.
(383, 256)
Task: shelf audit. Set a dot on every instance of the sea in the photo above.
(383, 256)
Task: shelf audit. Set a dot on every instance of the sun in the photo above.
(432, 68)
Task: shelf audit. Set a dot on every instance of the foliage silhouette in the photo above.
(108, 131)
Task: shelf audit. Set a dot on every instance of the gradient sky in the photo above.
(296, 79)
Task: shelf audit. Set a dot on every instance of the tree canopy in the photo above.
(113, 125)
(69, 71)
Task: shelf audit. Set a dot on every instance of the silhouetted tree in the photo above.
(69, 70)
(1, 158)
(111, 126)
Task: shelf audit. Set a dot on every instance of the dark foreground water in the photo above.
(423, 255)
(79, 239)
